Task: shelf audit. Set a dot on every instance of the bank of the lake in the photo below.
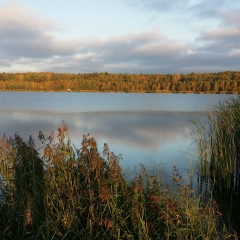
(80, 193)
(222, 82)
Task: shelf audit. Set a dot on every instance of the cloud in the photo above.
(24, 34)
(230, 35)
(143, 52)
(148, 52)
(29, 43)
(158, 5)
(231, 18)
(226, 12)
(219, 50)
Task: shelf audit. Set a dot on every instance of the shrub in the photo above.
(78, 193)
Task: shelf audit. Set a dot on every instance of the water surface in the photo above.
(152, 129)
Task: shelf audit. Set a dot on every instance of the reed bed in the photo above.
(80, 193)
(219, 158)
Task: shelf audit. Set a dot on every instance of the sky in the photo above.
(119, 36)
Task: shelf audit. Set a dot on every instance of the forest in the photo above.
(222, 82)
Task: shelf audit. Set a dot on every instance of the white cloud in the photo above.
(25, 34)
(28, 42)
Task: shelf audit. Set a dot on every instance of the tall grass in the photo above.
(79, 193)
(219, 154)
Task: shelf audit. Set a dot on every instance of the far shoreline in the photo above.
(147, 92)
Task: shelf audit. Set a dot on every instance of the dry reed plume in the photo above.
(80, 193)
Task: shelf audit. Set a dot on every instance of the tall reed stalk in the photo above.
(219, 156)
(79, 193)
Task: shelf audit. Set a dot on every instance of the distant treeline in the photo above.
(222, 82)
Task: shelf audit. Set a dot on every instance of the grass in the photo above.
(219, 155)
(81, 193)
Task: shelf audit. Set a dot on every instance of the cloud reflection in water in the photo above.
(151, 138)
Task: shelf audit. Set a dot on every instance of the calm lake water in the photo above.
(149, 129)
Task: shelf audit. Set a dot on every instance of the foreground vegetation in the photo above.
(80, 193)
(222, 82)
(219, 149)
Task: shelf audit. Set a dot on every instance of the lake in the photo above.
(149, 129)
